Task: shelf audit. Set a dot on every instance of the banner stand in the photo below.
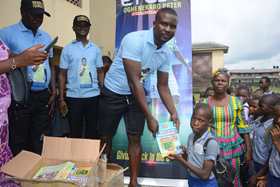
(133, 15)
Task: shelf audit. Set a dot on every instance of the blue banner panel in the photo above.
(139, 15)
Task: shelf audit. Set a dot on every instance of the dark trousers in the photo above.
(273, 181)
(112, 107)
(28, 123)
(81, 109)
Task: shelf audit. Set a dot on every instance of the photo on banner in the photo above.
(133, 15)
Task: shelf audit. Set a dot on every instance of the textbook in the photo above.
(55, 172)
(65, 171)
(79, 175)
(168, 139)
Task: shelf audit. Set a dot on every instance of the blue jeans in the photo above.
(196, 182)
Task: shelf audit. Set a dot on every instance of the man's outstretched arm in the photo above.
(165, 95)
(133, 72)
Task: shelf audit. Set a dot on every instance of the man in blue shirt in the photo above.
(81, 62)
(140, 54)
(29, 121)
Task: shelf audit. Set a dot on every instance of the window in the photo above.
(76, 2)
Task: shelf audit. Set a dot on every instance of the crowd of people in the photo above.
(245, 127)
(242, 127)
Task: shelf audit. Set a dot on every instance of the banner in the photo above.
(139, 15)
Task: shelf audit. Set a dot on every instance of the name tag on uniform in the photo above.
(198, 148)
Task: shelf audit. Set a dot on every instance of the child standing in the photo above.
(199, 161)
(243, 93)
(253, 109)
(254, 113)
(261, 142)
(274, 161)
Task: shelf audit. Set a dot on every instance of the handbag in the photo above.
(223, 171)
(19, 85)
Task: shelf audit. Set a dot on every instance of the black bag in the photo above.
(19, 85)
(223, 172)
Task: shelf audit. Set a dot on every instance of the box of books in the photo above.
(64, 162)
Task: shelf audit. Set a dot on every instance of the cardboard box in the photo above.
(83, 152)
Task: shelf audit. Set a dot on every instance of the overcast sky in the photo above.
(251, 29)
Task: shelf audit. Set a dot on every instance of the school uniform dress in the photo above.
(228, 124)
(261, 143)
(197, 155)
(274, 168)
(81, 63)
(29, 121)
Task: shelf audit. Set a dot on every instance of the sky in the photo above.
(250, 28)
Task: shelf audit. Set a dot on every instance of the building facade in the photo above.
(206, 58)
(101, 13)
(251, 77)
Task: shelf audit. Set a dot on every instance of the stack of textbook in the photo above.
(64, 171)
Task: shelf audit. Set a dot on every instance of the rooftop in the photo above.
(208, 46)
(274, 70)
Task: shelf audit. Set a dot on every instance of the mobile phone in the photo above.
(47, 49)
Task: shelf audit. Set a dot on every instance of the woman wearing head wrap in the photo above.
(228, 124)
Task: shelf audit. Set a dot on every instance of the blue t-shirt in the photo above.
(81, 63)
(18, 38)
(137, 46)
